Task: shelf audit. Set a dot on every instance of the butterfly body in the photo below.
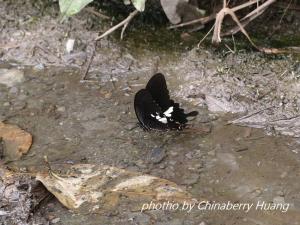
(155, 110)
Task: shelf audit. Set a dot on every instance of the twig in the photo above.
(246, 4)
(229, 49)
(283, 6)
(284, 12)
(202, 20)
(200, 42)
(123, 30)
(284, 119)
(244, 23)
(249, 115)
(258, 9)
(123, 23)
(83, 79)
(91, 10)
(211, 17)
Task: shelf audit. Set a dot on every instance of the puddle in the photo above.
(94, 122)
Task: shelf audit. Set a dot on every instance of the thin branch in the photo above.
(258, 9)
(91, 10)
(200, 42)
(83, 79)
(246, 4)
(285, 11)
(202, 20)
(123, 23)
(238, 120)
(211, 17)
(244, 23)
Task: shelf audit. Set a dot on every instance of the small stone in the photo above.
(174, 153)
(280, 193)
(22, 97)
(212, 153)
(140, 164)
(14, 90)
(278, 200)
(190, 179)
(107, 95)
(70, 45)
(39, 66)
(283, 175)
(173, 163)
(20, 105)
(56, 220)
(189, 155)
(131, 126)
(156, 155)
(61, 109)
(11, 77)
(6, 104)
(202, 223)
(138, 218)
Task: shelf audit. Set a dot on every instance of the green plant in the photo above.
(71, 7)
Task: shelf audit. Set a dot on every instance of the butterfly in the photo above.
(155, 110)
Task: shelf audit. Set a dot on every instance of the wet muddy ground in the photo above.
(94, 121)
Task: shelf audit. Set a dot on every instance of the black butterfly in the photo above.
(154, 108)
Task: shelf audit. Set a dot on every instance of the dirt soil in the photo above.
(93, 121)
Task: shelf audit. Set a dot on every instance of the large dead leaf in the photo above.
(93, 188)
(16, 141)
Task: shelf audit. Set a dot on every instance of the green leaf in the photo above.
(139, 4)
(71, 7)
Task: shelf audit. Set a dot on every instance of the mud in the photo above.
(94, 121)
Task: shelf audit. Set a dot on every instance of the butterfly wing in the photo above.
(145, 108)
(150, 114)
(154, 108)
(157, 86)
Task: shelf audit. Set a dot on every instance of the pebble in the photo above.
(173, 163)
(39, 66)
(212, 153)
(11, 77)
(131, 126)
(61, 109)
(189, 155)
(20, 105)
(140, 163)
(138, 218)
(56, 220)
(70, 45)
(13, 90)
(156, 155)
(190, 179)
(174, 153)
(283, 175)
(278, 200)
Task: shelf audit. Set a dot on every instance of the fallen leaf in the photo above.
(95, 188)
(16, 142)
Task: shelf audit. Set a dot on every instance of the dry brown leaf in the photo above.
(95, 188)
(17, 142)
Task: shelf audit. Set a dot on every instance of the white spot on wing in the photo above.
(160, 119)
(168, 112)
(163, 120)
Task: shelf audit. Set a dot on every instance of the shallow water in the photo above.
(94, 122)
